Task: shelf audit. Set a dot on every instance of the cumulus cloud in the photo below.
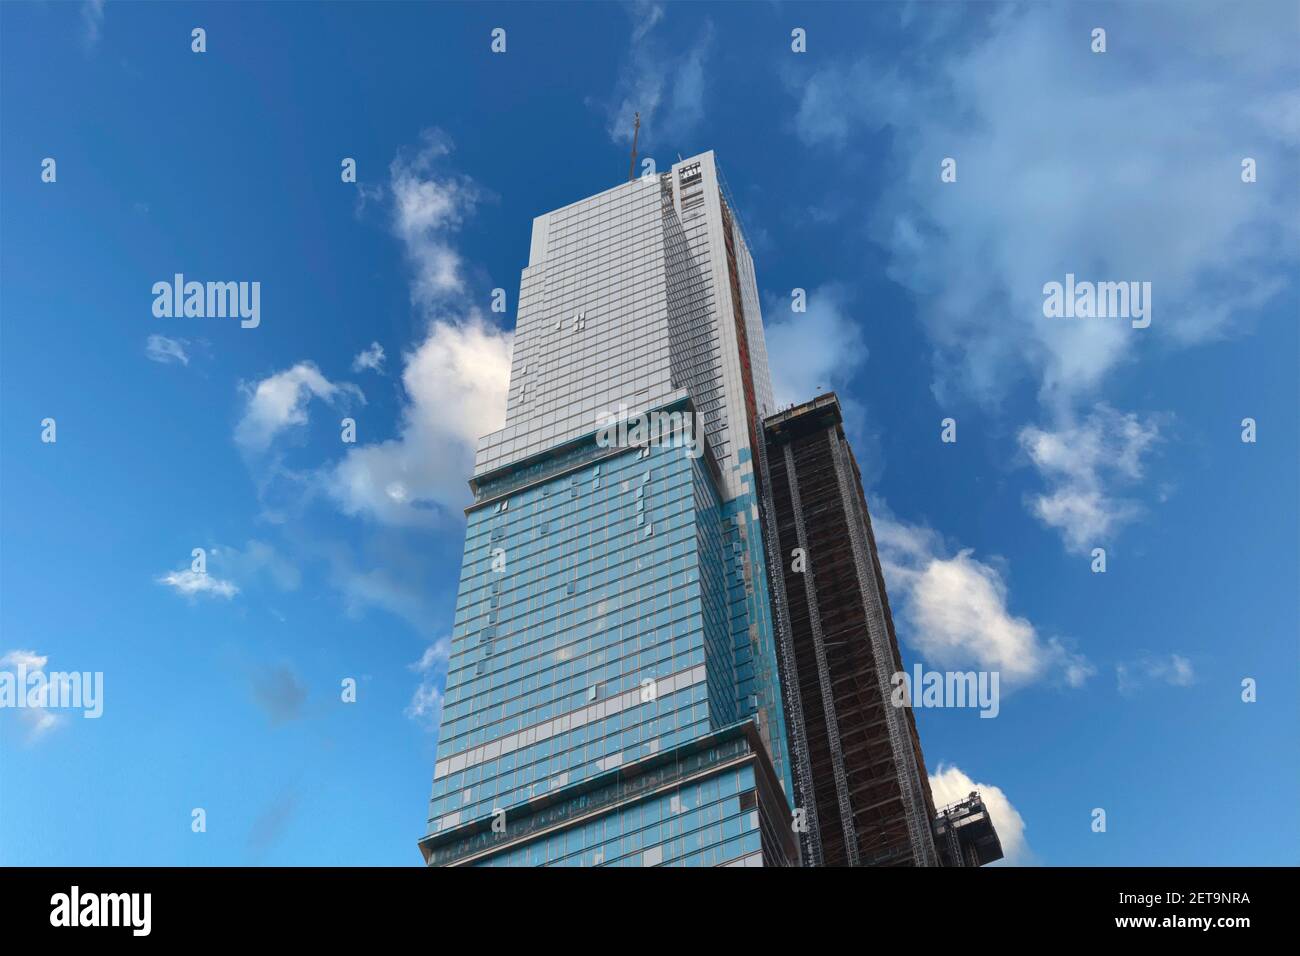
(814, 351)
(454, 381)
(159, 348)
(455, 384)
(1078, 461)
(193, 584)
(1174, 670)
(954, 609)
(949, 784)
(662, 81)
(453, 391)
(370, 358)
(280, 401)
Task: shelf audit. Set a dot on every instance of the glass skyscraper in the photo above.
(613, 695)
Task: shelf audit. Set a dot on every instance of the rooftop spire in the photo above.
(636, 129)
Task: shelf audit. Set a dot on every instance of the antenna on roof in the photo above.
(636, 130)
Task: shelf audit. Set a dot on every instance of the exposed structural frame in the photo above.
(858, 767)
(810, 836)
(909, 777)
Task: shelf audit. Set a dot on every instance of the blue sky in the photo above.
(327, 560)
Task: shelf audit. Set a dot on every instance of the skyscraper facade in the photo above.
(613, 694)
(859, 772)
(672, 642)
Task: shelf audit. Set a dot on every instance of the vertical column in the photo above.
(785, 647)
(823, 671)
(918, 822)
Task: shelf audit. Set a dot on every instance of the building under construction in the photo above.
(859, 773)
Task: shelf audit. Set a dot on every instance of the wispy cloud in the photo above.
(193, 584)
(159, 348)
(92, 22)
(1151, 191)
(36, 714)
(280, 401)
(814, 351)
(429, 203)
(370, 358)
(663, 81)
(425, 706)
(1079, 461)
(1173, 670)
(1069, 161)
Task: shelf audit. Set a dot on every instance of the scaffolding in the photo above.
(861, 774)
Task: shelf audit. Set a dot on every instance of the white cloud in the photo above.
(159, 348)
(428, 205)
(425, 706)
(280, 401)
(645, 15)
(1174, 670)
(813, 351)
(28, 659)
(1069, 161)
(256, 559)
(435, 654)
(665, 83)
(371, 358)
(955, 610)
(225, 567)
(1104, 166)
(40, 691)
(1078, 461)
(455, 383)
(950, 784)
(92, 21)
(193, 583)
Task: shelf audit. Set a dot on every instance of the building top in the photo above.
(820, 412)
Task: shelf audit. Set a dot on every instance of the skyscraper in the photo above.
(618, 692)
(859, 772)
(612, 694)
